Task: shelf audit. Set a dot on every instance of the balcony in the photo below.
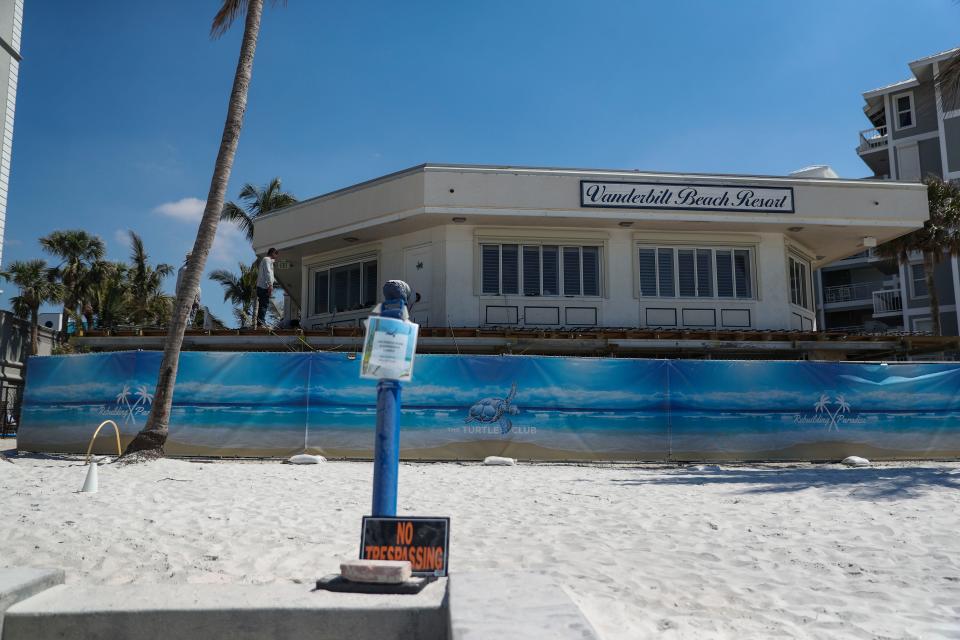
(846, 293)
(872, 140)
(887, 302)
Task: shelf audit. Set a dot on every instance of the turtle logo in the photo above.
(496, 410)
(840, 407)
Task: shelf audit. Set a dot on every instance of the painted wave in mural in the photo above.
(527, 406)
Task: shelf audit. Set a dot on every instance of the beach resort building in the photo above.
(914, 133)
(551, 248)
(11, 25)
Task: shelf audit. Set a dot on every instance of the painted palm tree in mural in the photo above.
(939, 235)
(823, 403)
(144, 399)
(153, 436)
(842, 405)
(124, 398)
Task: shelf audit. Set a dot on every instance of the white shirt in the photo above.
(265, 273)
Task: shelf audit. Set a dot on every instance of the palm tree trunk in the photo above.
(34, 333)
(153, 437)
(928, 267)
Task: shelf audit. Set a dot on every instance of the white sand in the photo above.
(723, 552)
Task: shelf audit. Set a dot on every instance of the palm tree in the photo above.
(149, 305)
(240, 290)
(110, 295)
(940, 234)
(948, 81)
(153, 436)
(38, 286)
(78, 252)
(257, 201)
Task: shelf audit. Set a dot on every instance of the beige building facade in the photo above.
(526, 247)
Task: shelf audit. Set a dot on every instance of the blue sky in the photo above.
(121, 105)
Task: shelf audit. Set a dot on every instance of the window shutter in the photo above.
(370, 283)
(724, 274)
(340, 289)
(551, 271)
(794, 289)
(919, 274)
(490, 269)
(741, 267)
(531, 271)
(648, 272)
(686, 273)
(665, 272)
(356, 278)
(804, 286)
(511, 269)
(321, 292)
(704, 273)
(591, 271)
(571, 271)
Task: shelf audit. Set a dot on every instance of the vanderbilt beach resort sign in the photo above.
(669, 195)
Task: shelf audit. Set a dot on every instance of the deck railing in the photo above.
(861, 291)
(887, 302)
(871, 139)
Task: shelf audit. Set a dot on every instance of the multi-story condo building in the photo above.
(11, 25)
(915, 133)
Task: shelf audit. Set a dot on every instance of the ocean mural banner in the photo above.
(529, 407)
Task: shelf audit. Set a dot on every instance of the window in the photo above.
(539, 270)
(903, 108)
(694, 272)
(799, 282)
(345, 287)
(918, 278)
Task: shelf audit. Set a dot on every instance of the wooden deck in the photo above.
(672, 343)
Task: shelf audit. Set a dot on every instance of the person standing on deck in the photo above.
(265, 284)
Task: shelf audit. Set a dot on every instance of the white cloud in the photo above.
(187, 209)
(122, 237)
(230, 244)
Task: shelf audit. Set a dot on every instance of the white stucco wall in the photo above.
(450, 256)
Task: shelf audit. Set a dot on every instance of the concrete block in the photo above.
(20, 583)
(376, 571)
(234, 612)
(499, 461)
(512, 606)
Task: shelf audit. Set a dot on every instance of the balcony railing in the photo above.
(871, 139)
(859, 292)
(867, 254)
(887, 302)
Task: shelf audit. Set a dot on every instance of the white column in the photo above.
(904, 270)
(821, 320)
(955, 263)
(890, 150)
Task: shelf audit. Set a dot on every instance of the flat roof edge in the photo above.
(567, 171)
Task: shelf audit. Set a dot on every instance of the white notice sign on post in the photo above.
(388, 349)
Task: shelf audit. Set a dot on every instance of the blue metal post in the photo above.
(386, 453)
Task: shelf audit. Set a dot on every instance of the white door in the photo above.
(909, 162)
(418, 273)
